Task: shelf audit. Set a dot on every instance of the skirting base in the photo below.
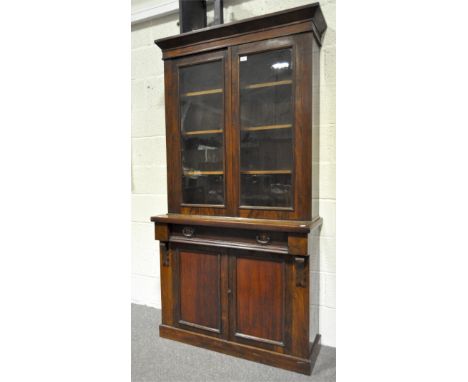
(267, 357)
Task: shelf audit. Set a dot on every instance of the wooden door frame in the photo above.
(286, 261)
(173, 134)
(222, 289)
(302, 103)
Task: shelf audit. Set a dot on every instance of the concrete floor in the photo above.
(157, 359)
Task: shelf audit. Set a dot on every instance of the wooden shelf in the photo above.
(203, 92)
(267, 127)
(203, 173)
(267, 84)
(266, 172)
(201, 132)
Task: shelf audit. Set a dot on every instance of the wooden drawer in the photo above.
(281, 237)
(262, 241)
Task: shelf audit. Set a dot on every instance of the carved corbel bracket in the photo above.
(301, 274)
(164, 252)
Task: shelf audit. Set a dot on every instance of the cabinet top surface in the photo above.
(310, 12)
(237, 222)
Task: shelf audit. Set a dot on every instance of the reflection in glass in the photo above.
(202, 133)
(202, 152)
(203, 189)
(271, 190)
(266, 136)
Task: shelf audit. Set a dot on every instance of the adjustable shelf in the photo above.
(203, 173)
(202, 92)
(268, 84)
(202, 132)
(266, 172)
(266, 127)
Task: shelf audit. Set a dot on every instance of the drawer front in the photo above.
(263, 241)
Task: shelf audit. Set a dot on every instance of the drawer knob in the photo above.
(263, 238)
(188, 231)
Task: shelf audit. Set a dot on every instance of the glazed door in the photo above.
(260, 310)
(197, 107)
(269, 80)
(200, 286)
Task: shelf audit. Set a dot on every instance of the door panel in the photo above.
(270, 120)
(197, 111)
(258, 308)
(266, 128)
(199, 289)
(260, 298)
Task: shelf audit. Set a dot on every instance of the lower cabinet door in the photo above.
(198, 286)
(260, 302)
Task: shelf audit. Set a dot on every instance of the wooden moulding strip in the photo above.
(201, 132)
(266, 172)
(267, 127)
(268, 84)
(239, 222)
(267, 357)
(204, 173)
(203, 92)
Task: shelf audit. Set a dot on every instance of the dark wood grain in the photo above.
(300, 303)
(237, 40)
(297, 244)
(242, 223)
(231, 238)
(302, 126)
(161, 232)
(235, 278)
(259, 296)
(200, 289)
(315, 137)
(172, 137)
(167, 296)
(174, 163)
(252, 353)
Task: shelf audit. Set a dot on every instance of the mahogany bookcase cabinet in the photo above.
(242, 133)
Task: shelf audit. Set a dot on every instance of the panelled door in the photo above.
(259, 306)
(239, 295)
(200, 286)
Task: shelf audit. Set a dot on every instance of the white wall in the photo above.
(149, 193)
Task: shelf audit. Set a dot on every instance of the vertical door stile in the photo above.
(234, 128)
(224, 279)
(230, 156)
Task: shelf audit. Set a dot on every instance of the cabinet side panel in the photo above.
(315, 128)
(303, 130)
(260, 301)
(300, 308)
(314, 282)
(172, 137)
(167, 296)
(199, 289)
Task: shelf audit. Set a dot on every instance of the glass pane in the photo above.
(267, 118)
(201, 90)
(271, 190)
